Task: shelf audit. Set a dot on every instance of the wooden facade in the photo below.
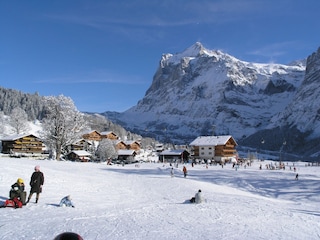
(23, 143)
(93, 136)
(174, 155)
(79, 156)
(126, 155)
(133, 145)
(120, 145)
(219, 148)
(81, 144)
(110, 135)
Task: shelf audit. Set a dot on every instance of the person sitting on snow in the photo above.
(197, 198)
(66, 202)
(17, 191)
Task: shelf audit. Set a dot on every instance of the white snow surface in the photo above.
(145, 202)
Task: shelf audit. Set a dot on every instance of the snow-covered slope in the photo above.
(115, 202)
(304, 109)
(199, 90)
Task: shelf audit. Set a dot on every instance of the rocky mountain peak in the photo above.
(198, 88)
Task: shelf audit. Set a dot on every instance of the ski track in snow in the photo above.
(116, 202)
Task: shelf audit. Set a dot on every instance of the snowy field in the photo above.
(145, 202)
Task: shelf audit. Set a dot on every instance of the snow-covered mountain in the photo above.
(199, 91)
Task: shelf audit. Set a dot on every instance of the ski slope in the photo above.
(145, 202)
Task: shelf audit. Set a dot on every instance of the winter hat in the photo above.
(199, 190)
(68, 236)
(37, 168)
(20, 180)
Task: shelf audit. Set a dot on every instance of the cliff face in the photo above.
(198, 90)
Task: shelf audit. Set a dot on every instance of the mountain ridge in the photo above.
(200, 91)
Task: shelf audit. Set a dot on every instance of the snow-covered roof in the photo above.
(91, 131)
(77, 141)
(211, 140)
(125, 152)
(16, 136)
(173, 152)
(107, 132)
(81, 153)
(130, 142)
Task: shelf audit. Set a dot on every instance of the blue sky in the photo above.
(103, 54)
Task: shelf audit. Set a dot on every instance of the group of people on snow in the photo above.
(18, 195)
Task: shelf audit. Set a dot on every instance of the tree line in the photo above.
(62, 123)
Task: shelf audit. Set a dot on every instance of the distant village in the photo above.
(213, 148)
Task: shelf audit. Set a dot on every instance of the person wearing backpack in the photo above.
(36, 182)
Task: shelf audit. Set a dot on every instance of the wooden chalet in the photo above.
(22, 144)
(92, 136)
(218, 148)
(110, 135)
(120, 145)
(126, 155)
(79, 156)
(81, 144)
(175, 155)
(134, 145)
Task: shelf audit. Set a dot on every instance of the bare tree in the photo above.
(19, 120)
(62, 125)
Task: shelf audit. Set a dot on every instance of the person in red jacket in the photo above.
(185, 171)
(36, 183)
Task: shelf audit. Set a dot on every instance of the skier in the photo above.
(172, 172)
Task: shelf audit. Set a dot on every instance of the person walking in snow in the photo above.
(172, 172)
(185, 171)
(297, 176)
(36, 183)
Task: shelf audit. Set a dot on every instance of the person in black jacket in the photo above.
(36, 182)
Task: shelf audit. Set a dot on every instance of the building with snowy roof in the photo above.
(218, 148)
